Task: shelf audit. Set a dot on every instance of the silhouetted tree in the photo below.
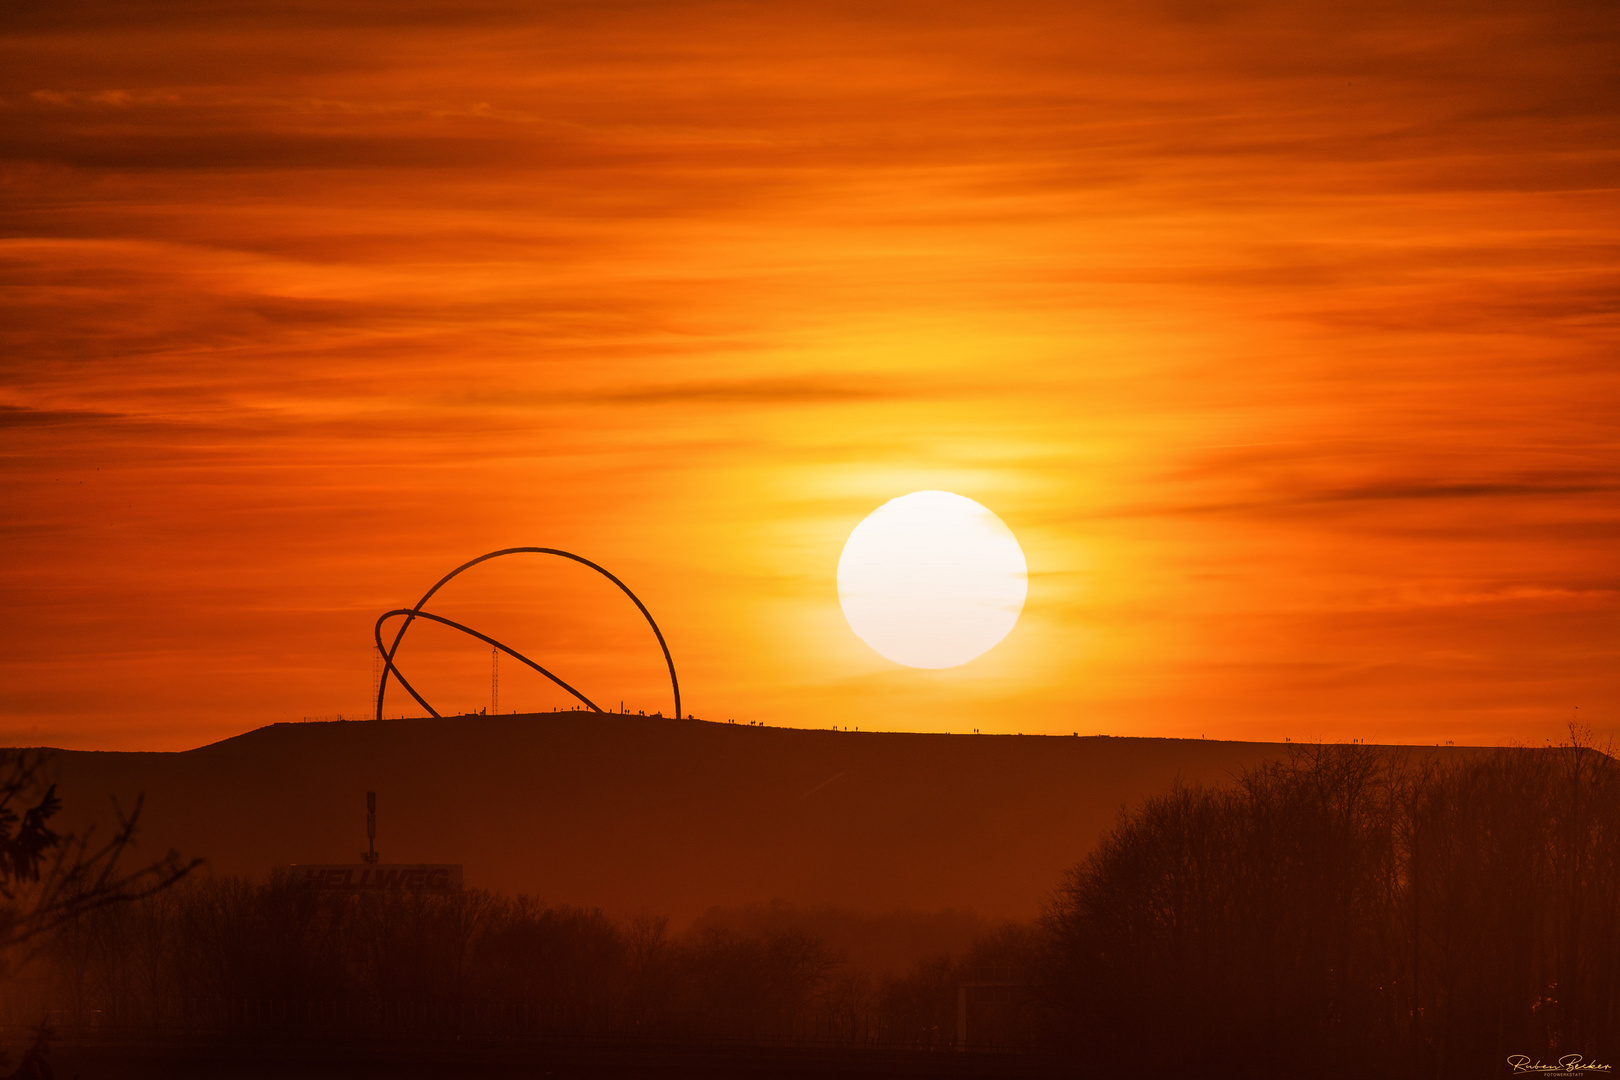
(47, 878)
(1362, 911)
(50, 882)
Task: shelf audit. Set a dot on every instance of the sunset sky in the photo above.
(1282, 336)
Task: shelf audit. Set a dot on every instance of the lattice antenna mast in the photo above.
(370, 854)
(494, 681)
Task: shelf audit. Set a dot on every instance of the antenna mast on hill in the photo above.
(494, 681)
(370, 854)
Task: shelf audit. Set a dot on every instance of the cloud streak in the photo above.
(308, 302)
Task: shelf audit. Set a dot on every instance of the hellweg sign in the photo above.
(380, 877)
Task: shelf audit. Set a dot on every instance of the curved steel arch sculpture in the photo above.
(412, 613)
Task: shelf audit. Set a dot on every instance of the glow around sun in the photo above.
(932, 580)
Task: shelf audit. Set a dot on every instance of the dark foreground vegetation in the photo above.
(232, 959)
(1349, 911)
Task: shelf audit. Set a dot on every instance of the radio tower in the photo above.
(494, 681)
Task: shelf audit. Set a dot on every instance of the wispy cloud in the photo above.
(1265, 324)
(800, 390)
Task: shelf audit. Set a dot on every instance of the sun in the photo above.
(932, 580)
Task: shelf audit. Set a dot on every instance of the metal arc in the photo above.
(485, 638)
(412, 613)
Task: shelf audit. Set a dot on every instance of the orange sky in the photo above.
(1283, 337)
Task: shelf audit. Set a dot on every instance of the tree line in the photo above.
(227, 958)
(1348, 911)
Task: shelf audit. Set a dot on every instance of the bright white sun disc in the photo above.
(932, 580)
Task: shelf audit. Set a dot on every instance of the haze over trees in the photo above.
(229, 958)
(1348, 911)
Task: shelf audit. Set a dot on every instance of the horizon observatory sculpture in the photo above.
(411, 614)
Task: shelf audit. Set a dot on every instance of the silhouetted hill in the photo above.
(666, 816)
